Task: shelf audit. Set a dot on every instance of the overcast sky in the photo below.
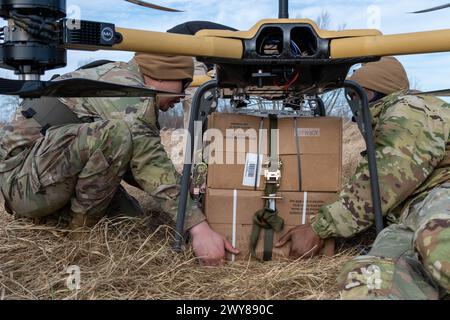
(430, 71)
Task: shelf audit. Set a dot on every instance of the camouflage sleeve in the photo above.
(410, 139)
(155, 173)
(150, 165)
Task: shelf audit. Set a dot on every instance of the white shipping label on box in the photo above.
(252, 171)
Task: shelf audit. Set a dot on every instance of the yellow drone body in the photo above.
(229, 44)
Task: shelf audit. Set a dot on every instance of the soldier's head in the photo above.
(166, 73)
(381, 78)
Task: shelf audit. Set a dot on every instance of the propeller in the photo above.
(152, 6)
(73, 88)
(444, 6)
(437, 93)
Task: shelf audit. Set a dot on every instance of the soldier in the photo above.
(410, 259)
(201, 70)
(82, 165)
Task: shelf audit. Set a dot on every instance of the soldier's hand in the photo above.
(210, 247)
(305, 243)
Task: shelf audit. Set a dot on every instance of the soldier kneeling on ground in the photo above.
(80, 166)
(410, 259)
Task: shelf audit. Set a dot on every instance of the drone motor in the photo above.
(31, 39)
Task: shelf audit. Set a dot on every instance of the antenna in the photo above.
(284, 9)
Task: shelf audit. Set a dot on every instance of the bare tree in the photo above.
(173, 118)
(324, 20)
(8, 104)
(335, 101)
(342, 26)
(415, 83)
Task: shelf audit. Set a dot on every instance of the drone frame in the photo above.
(361, 112)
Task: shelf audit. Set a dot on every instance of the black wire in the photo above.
(45, 29)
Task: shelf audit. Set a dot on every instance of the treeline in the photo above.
(8, 106)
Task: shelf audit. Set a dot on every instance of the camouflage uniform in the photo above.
(83, 164)
(411, 258)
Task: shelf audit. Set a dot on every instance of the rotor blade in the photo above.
(437, 93)
(73, 88)
(152, 6)
(434, 9)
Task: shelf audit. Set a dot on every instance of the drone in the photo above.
(284, 59)
(444, 6)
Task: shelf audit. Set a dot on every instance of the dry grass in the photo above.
(132, 259)
(353, 145)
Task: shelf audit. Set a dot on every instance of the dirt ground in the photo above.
(132, 259)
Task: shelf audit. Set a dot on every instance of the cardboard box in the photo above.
(320, 142)
(243, 243)
(219, 209)
(319, 173)
(233, 165)
(236, 134)
(320, 135)
(219, 205)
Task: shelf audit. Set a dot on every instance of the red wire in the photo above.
(286, 87)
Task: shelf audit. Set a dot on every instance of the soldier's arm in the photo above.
(410, 138)
(155, 173)
(150, 165)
